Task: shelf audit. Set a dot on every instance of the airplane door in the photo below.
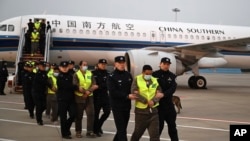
(153, 36)
(162, 36)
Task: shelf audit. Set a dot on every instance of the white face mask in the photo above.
(46, 68)
(84, 68)
(55, 74)
(147, 77)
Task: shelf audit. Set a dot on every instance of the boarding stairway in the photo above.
(23, 56)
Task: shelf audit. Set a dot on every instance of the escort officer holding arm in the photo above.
(66, 99)
(166, 110)
(85, 83)
(101, 98)
(119, 87)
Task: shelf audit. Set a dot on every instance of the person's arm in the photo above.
(114, 90)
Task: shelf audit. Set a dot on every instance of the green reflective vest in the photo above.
(84, 81)
(53, 78)
(146, 92)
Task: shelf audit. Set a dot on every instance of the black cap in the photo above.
(71, 62)
(28, 64)
(64, 63)
(43, 63)
(165, 60)
(119, 59)
(146, 67)
(54, 64)
(102, 61)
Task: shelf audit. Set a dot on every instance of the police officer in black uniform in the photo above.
(101, 98)
(166, 110)
(3, 76)
(65, 98)
(71, 67)
(119, 87)
(39, 88)
(28, 78)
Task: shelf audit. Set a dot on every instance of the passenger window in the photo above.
(87, 31)
(54, 30)
(169, 35)
(93, 32)
(81, 31)
(144, 34)
(175, 36)
(100, 32)
(113, 33)
(192, 37)
(11, 28)
(60, 30)
(132, 34)
(180, 36)
(138, 34)
(107, 32)
(74, 31)
(197, 37)
(3, 27)
(120, 33)
(125, 33)
(67, 31)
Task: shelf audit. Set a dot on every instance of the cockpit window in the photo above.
(3, 27)
(11, 28)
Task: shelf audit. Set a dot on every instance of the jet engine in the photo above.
(135, 60)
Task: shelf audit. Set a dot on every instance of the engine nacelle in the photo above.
(137, 58)
(209, 62)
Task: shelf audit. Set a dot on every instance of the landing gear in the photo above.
(197, 82)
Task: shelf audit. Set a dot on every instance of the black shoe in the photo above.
(98, 134)
(67, 137)
(32, 116)
(91, 135)
(40, 123)
(100, 131)
(2, 94)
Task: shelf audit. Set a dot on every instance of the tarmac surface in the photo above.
(206, 114)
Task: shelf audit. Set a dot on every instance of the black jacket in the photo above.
(3, 72)
(65, 87)
(100, 77)
(40, 84)
(166, 80)
(119, 87)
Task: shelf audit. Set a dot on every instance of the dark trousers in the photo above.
(105, 106)
(52, 106)
(169, 116)
(30, 105)
(88, 106)
(121, 119)
(40, 103)
(144, 119)
(2, 86)
(64, 108)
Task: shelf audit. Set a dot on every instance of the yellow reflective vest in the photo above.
(37, 25)
(34, 37)
(84, 81)
(146, 92)
(53, 78)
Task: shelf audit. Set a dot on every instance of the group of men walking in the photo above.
(35, 36)
(71, 92)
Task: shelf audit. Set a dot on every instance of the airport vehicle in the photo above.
(189, 46)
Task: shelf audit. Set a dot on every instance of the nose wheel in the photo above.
(197, 82)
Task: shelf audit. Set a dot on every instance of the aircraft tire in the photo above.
(197, 82)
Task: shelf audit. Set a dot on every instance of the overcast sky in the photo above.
(228, 12)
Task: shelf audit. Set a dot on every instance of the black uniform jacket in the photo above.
(166, 80)
(100, 77)
(65, 87)
(119, 87)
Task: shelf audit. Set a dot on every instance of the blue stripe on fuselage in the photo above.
(10, 43)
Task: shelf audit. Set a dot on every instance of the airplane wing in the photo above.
(191, 53)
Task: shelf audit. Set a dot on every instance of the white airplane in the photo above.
(189, 46)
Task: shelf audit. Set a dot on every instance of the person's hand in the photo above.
(151, 103)
(94, 87)
(132, 96)
(159, 95)
(81, 89)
